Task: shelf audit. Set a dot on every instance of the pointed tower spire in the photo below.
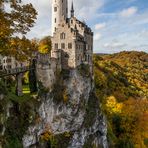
(72, 10)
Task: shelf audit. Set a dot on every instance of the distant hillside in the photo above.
(121, 81)
(128, 70)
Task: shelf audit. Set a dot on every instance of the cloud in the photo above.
(143, 34)
(128, 30)
(84, 10)
(128, 12)
(97, 36)
(87, 9)
(114, 44)
(100, 26)
(42, 26)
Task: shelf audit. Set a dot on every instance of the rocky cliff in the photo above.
(69, 115)
(64, 114)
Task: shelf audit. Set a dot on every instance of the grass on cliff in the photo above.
(11, 95)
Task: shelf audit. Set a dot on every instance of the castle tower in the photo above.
(59, 10)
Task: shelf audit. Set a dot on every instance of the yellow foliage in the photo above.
(45, 45)
(43, 49)
(67, 134)
(65, 96)
(46, 136)
(113, 106)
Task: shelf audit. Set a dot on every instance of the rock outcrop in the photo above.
(69, 115)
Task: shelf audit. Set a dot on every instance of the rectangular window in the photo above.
(55, 20)
(63, 46)
(69, 45)
(55, 9)
(56, 46)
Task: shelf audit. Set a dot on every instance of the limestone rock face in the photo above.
(45, 71)
(71, 110)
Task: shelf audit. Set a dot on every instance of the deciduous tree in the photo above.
(16, 21)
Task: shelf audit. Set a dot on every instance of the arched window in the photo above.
(62, 36)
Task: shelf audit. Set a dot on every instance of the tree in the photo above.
(45, 45)
(15, 23)
(135, 121)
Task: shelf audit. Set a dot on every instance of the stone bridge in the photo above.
(43, 59)
(15, 71)
(18, 73)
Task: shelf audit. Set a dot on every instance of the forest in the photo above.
(121, 81)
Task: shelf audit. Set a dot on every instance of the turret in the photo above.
(59, 11)
(72, 10)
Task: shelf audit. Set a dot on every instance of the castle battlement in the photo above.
(43, 58)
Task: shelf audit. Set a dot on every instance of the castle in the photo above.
(72, 40)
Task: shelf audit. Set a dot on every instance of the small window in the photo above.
(78, 58)
(69, 45)
(62, 36)
(88, 58)
(63, 46)
(55, 9)
(85, 57)
(55, 20)
(56, 46)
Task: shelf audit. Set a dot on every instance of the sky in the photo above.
(117, 24)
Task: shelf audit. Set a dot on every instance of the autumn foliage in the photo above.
(16, 19)
(121, 84)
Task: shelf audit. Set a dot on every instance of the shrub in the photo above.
(3, 88)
